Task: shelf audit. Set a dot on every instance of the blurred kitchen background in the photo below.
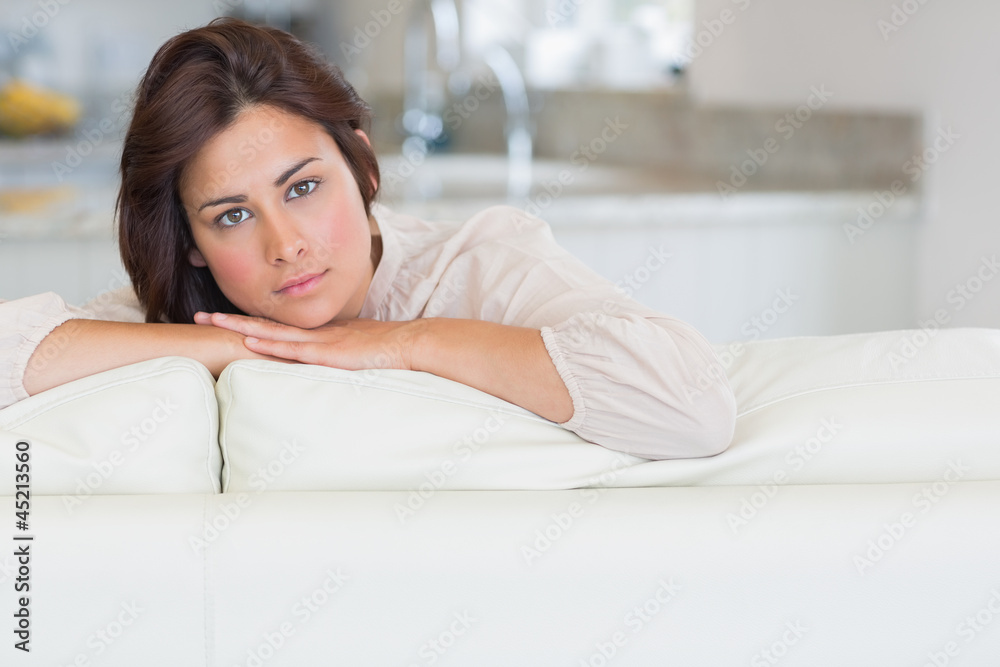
(759, 168)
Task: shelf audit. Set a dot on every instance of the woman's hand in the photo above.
(506, 361)
(347, 344)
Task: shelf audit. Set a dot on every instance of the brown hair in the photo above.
(196, 86)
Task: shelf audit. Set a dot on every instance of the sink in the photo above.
(563, 192)
(484, 176)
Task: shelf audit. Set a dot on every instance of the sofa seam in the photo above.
(873, 383)
(54, 403)
(227, 468)
(206, 602)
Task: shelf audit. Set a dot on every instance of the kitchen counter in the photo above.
(43, 197)
(838, 261)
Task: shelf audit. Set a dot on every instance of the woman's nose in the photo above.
(284, 240)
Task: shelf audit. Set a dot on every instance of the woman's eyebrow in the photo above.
(278, 182)
(236, 199)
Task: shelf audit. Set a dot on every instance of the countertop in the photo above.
(51, 191)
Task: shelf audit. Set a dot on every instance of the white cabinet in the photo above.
(761, 280)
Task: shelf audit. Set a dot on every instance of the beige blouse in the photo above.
(641, 382)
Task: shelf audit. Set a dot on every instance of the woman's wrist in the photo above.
(222, 347)
(417, 343)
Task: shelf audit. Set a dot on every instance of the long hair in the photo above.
(196, 86)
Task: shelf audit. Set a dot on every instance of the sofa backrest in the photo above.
(899, 406)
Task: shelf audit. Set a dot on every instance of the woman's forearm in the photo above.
(506, 361)
(78, 348)
(509, 362)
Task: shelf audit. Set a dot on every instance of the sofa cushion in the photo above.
(891, 406)
(150, 427)
(897, 406)
(298, 427)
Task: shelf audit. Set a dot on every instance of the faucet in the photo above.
(422, 107)
(423, 104)
(518, 129)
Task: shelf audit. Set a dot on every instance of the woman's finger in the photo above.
(342, 354)
(301, 351)
(259, 327)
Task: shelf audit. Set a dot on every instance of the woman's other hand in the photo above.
(355, 344)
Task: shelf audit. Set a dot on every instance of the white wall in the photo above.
(942, 61)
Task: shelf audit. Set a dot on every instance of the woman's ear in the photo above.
(195, 258)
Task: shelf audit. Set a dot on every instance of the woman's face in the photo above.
(278, 219)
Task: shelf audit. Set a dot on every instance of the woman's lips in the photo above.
(301, 285)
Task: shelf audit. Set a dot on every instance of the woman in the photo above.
(248, 226)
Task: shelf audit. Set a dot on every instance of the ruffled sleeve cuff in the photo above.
(562, 365)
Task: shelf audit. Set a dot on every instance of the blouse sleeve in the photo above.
(647, 386)
(25, 322)
(641, 382)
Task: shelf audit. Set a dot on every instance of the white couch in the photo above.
(309, 516)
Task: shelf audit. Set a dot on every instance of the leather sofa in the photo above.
(300, 515)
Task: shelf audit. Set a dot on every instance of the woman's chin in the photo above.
(304, 320)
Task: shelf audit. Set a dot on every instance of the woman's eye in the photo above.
(302, 188)
(233, 217)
